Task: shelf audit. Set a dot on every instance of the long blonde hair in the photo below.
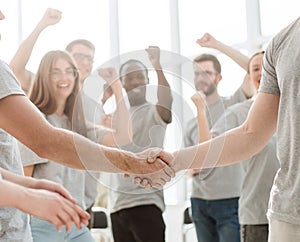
(42, 95)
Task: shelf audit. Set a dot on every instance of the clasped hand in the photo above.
(155, 170)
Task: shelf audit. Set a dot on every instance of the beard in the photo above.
(210, 90)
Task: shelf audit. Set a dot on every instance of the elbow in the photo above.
(255, 141)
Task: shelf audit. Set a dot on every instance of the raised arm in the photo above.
(164, 95)
(242, 60)
(122, 133)
(21, 57)
(207, 40)
(203, 128)
(237, 144)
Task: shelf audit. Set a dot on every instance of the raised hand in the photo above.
(248, 86)
(54, 208)
(110, 75)
(154, 56)
(113, 84)
(199, 100)
(51, 17)
(107, 121)
(107, 93)
(207, 40)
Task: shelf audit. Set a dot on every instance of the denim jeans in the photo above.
(254, 233)
(43, 231)
(216, 220)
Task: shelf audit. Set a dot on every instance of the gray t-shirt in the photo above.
(92, 113)
(148, 131)
(71, 179)
(14, 224)
(207, 184)
(281, 76)
(260, 169)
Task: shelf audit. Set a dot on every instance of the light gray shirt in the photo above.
(260, 169)
(281, 76)
(14, 224)
(148, 131)
(92, 113)
(207, 184)
(71, 179)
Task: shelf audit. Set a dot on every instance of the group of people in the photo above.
(230, 145)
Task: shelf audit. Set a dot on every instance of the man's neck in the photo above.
(213, 98)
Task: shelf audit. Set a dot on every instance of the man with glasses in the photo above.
(83, 52)
(215, 192)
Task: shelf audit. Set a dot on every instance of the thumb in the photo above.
(153, 154)
(166, 157)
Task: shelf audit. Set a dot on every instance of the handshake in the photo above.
(154, 168)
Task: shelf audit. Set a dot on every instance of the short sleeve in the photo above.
(269, 83)
(8, 82)
(28, 157)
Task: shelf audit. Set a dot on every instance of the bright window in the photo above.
(277, 14)
(144, 23)
(88, 21)
(9, 35)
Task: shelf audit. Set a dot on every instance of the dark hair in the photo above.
(132, 61)
(208, 57)
(252, 57)
(84, 42)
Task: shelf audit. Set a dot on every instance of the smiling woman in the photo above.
(55, 92)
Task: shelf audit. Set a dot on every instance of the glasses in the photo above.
(82, 57)
(206, 73)
(69, 73)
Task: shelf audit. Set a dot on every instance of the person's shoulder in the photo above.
(8, 82)
(285, 33)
